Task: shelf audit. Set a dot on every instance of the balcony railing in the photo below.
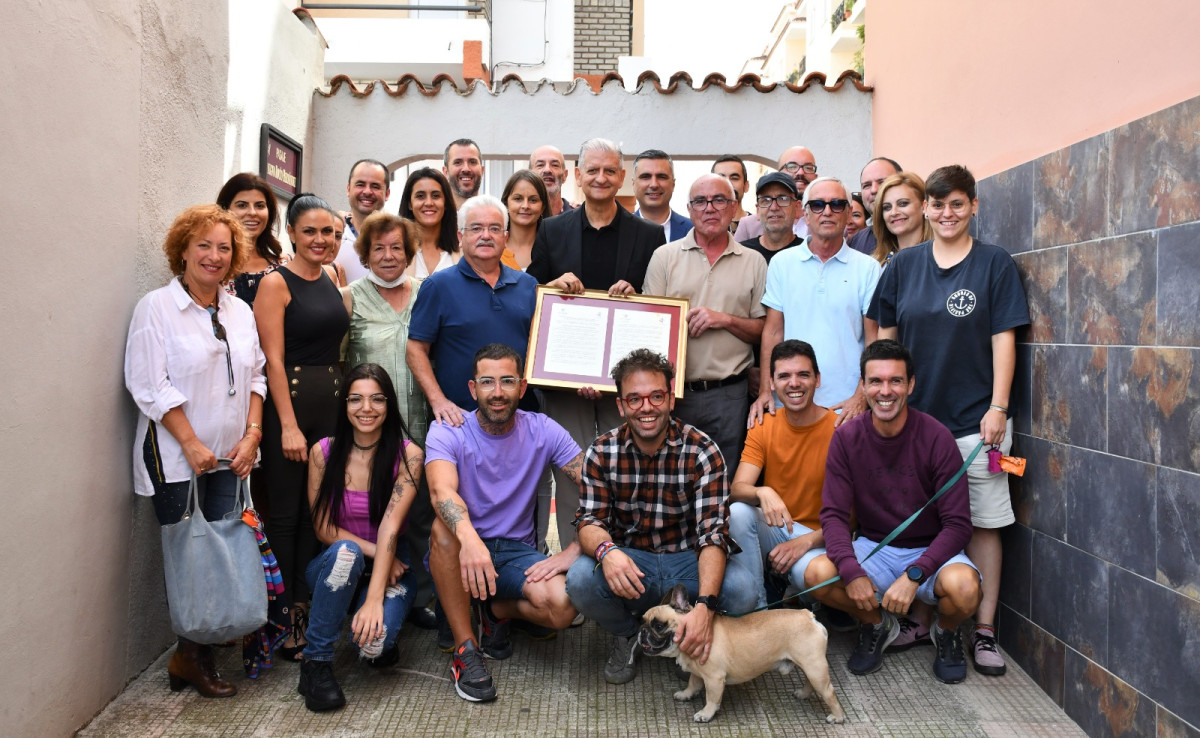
(839, 15)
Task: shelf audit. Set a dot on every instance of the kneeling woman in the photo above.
(361, 484)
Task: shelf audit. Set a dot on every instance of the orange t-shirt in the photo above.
(793, 461)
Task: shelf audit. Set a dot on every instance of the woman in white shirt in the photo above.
(195, 369)
(428, 202)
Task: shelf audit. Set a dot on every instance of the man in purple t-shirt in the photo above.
(882, 467)
(483, 478)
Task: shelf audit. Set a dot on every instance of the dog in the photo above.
(743, 648)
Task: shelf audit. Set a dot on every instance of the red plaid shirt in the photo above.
(675, 500)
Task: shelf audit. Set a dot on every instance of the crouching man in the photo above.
(653, 513)
(883, 466)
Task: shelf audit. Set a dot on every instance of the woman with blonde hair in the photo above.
(897, 220)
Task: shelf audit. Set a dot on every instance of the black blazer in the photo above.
(558, 247)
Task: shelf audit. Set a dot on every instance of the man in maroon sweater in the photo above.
(882, 467)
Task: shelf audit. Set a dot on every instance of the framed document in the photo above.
(575, 339)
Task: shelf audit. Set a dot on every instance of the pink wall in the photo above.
(993, 84)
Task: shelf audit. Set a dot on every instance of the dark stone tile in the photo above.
(1179, 531)
(1020, 403)
(1171, 725)
(1111, 284)
(1102, 704)
(1153, 644)
(1039, 654)
(1158, 163)
(1070, 596)
(1017, 570)
(1039, 497)
(1069, 387)
(1155, 394)
(1178, 277)
(1070, 194)
(1102, 489)
(1006, 209)
(1044, 278)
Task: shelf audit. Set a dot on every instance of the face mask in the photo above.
(376, 279)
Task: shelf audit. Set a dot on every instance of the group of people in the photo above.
(378, 371)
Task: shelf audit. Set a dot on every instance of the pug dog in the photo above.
(743, 648)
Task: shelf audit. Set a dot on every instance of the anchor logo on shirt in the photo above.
(961, 303)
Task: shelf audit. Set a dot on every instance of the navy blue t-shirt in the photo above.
(459, 313)
(947, 318)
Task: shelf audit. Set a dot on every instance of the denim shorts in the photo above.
(511, 559)
(890, 563)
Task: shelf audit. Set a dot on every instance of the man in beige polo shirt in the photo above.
(724, 282)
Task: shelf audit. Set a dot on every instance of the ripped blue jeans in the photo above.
(338, 579)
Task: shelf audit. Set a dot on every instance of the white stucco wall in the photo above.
(688, 124)
(115, 113)
(533, 38)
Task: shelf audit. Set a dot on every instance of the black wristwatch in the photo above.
(709, 601)
(915, 574)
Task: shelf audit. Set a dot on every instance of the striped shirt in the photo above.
(675, 500)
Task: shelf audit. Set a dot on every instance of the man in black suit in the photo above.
(599, 246)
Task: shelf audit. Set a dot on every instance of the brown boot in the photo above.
(192, 663)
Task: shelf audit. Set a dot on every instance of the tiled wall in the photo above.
(1100, 599)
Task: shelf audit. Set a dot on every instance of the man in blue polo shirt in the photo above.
(461, 309)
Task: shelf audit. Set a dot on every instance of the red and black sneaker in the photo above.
(471, 678)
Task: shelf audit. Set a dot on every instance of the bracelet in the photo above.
(603, 549)
(254, 426)
(1001, 408)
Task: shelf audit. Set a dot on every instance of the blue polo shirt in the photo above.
(824, 304)
(458, 313)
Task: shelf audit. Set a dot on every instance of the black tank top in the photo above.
(314, 322)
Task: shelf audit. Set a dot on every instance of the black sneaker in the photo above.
(873, 640)
(445, 636)
(533, 630)
(950, 663)
(494, 640)
(471, 678)
(622, 660)
(321, 691)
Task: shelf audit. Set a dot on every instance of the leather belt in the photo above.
(703, 385)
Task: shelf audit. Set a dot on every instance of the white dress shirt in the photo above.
(172, 359)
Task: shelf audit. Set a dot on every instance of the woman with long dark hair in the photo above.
(361, 484)
(528, 205)
(301, 321)
(251, 201)
(428, 201)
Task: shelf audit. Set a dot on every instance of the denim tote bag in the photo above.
(214, 572)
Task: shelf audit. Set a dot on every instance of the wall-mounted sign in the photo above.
(279, 159)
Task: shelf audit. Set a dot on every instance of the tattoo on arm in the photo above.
(391, 547)
(574, 468)
(450, 513)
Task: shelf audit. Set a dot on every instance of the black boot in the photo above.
(321, 691)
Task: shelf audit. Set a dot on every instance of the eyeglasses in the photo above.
(818, 206)
(701, 203)
(219, 332)
(376, 400)
(507, 383)
(477, 229)
(792, 167)
(766, 201)
(634, 402)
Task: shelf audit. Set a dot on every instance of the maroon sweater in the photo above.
(884, 481)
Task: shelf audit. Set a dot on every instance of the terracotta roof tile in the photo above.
(594, 83)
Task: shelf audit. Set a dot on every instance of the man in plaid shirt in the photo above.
(654, 513)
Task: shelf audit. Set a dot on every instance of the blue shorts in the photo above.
(890, 563)
(511, 559)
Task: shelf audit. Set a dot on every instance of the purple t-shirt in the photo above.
(884, 481)
(498, 475)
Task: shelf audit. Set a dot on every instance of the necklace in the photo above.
(365, 448)
(192, 295)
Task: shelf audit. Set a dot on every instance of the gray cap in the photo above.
(779, 178)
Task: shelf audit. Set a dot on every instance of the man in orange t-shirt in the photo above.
(778, 522)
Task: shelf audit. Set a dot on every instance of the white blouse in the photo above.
(172, 359)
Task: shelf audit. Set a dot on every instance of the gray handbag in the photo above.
(214, 572)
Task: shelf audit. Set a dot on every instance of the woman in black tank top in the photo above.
(301, 322)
